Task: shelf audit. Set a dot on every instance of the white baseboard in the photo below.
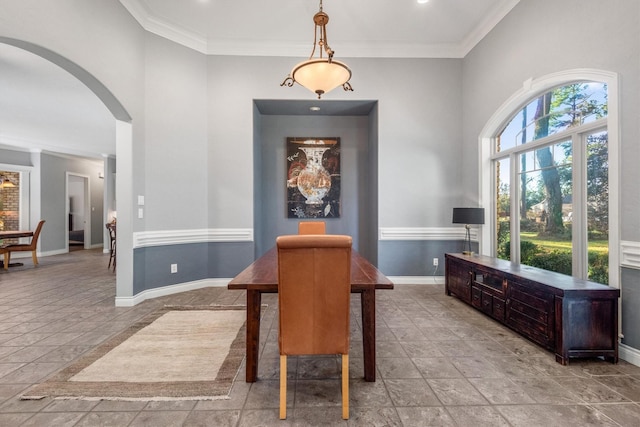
(170, 290)
(629, 354)
(417, 280)
(51, 253)
(16, 255)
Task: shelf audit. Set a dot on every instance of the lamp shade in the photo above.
(321, 75)
(6, 183)
(468, 215)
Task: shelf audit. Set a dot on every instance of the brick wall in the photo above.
(10, 196)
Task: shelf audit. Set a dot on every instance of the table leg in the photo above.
(368, 301)
(254, 302)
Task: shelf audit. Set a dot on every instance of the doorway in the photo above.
(78, 212)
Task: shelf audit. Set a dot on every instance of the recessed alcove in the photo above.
(356, 124)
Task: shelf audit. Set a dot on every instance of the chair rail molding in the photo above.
(180, 237)
(630, 254)
(426, 233)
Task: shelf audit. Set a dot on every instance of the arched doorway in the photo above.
(123, 144)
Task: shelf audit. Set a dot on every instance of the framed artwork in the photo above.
(313, 177)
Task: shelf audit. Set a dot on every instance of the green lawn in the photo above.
(600, 246)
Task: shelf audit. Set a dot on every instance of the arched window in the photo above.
(550, 169)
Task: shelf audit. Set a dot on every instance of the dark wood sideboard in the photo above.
(569, 316)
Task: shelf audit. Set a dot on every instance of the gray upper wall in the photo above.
(12, 157)
(419, 138)
(175, 146)
(53, 202)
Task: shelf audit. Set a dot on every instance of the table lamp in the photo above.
(468, 216)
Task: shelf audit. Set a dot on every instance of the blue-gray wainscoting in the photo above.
(415, 257)
(630, 290)
(196, 262)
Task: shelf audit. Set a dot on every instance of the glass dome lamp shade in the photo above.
(321, 75)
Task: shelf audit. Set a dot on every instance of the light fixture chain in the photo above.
(324, 41)
(315, 41)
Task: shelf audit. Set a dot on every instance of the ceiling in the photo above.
(356, 28)
(43, 107)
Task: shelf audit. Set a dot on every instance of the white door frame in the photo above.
(86, 208)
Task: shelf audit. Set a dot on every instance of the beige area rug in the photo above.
(175, 353)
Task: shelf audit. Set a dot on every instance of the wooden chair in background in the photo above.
(23, 247)
(314, 289)
(311, 227)
(111, 228)
(3, 252)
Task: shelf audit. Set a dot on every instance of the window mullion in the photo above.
(579, 217)
(514, 195)
(551, 139)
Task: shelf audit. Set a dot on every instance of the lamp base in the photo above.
(467, 252)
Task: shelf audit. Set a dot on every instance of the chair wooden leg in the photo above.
(7, 258)
(283, 387)
(34, 257)
(345, 386)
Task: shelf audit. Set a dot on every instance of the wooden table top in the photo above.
(262, 274)
(15, 234)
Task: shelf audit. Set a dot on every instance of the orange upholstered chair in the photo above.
(23, 247)
(311, 227)
(314, 275)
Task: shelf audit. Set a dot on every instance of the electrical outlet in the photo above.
(435, 262)
(174, 268)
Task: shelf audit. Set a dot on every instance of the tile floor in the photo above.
(439, 363)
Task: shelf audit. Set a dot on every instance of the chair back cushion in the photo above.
(314, 287)
(311, 227)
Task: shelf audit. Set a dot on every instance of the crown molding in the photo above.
(490, 21)
(199, 42)
(37, 146)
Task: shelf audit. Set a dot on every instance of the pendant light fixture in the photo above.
(321, 74)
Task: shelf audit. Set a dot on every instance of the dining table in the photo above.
(262, 277)
(16, 234)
